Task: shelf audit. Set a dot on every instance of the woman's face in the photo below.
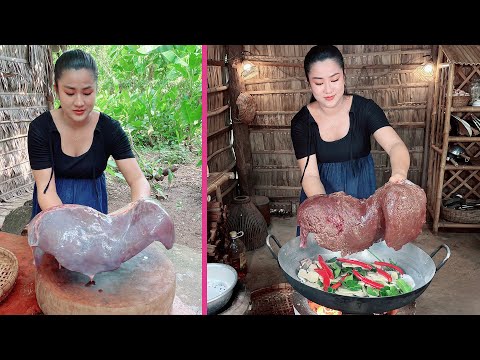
(76, 90)
(327, 82)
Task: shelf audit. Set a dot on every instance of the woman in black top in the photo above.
(69, 147)
(331, 135)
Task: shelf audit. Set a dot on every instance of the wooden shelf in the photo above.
(462, 167)
(449, 224)
(472, 109)
(445, 179)
(464, 138)
(214, 182)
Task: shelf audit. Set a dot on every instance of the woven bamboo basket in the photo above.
(246, 108)
(459, 101)
(244, 216)
(273, 300)
(461, 216)
(8, 272)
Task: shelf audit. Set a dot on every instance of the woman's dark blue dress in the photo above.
(78, 180)
(345, 164)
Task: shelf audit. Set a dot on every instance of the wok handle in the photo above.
(270, 246)
(447, 249)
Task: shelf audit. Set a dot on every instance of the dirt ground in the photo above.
(183, 202)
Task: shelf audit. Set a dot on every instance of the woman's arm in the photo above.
(50, 198)
(396, 150)
(311, 183)
(139, 186)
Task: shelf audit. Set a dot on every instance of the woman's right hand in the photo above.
(397, 178)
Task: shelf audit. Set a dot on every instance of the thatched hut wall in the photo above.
(386, 73)
(220, 156)
(25, 93)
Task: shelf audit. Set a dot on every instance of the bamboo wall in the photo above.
(25, 91)
(384, 73)
(220, 156)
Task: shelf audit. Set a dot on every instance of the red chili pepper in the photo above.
(355, 262)
(339, 283)
(367, 281)
(385, 274)
(324, 265)
(391, 266)
(325, 278)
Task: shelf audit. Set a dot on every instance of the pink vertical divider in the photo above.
(204, 178)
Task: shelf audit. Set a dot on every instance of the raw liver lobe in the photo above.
(340, 222)
(85, 240)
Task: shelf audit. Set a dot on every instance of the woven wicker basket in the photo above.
(274, 300)
(246, 108)
(459, 101)
(8, 272)
(244, 216)
(461, 216)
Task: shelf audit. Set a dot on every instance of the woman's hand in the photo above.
(397, 178)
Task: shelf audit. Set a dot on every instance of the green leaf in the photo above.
(169, 55)
(403, 286)
(352, 285)
(372, 291)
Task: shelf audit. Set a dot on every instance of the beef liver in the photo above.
(85, 240)
(340, 222)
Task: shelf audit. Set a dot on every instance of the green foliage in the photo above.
(155, 92)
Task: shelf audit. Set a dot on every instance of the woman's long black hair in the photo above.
(315, 54)
(321, 53)
(75, 60)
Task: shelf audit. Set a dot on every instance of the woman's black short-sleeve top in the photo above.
(366, 117)
(45, 149)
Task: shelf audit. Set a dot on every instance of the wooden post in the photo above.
(241, 138)
(428, 119)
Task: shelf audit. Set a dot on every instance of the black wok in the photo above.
(413, 260)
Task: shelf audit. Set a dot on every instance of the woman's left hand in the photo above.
(397, 178)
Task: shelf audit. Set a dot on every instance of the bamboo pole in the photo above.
(12, 166)
(267, 58)
(385, 108)
(457, 225)
(217, 89)
(426, 149)
(241, 138)
(218, 111)
(437, 149)
(218, 152)
(462, 139)
(446, 130)
(433, 126)
(13, 138)
(370, 87)
(25, 107)
(472, 109)
(14, 121)
(259, 126)
(18, 188)
(211, 62)
(221, 131)
(12, 59)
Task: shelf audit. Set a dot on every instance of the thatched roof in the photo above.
(25, 93)
(462, 54)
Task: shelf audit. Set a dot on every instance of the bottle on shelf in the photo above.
(238, 254)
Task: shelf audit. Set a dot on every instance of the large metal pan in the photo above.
(415, 262)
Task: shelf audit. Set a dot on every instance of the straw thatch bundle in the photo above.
(25, 93)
